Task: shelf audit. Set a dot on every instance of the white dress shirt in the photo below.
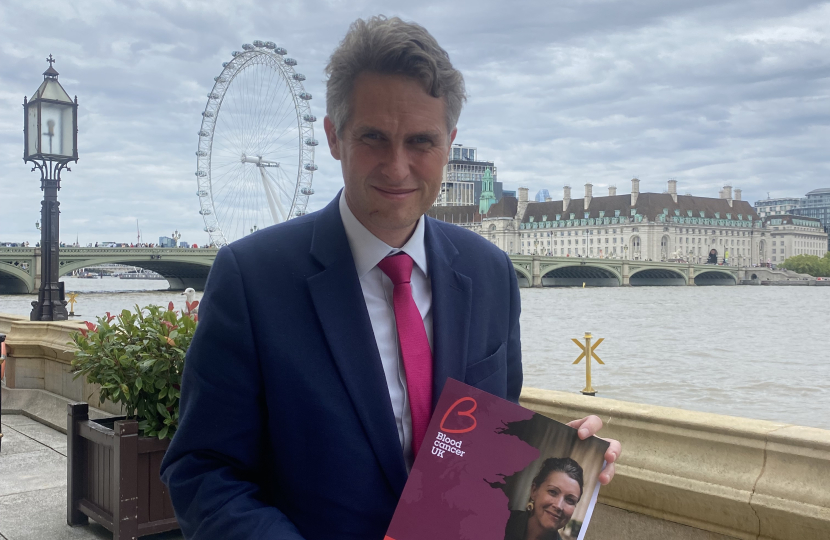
(368, 250)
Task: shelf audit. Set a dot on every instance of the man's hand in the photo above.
(588, 427)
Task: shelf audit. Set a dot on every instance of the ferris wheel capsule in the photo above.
(290, 62)
(224, 64)
(258, 43)
(305, 95)
(235, 54)
(311, 141)
(309, 167)
(309, 118)
(280, 51)
(247, 46)
(270, 45)
(298, 77)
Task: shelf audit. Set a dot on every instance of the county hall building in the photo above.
(639, 226)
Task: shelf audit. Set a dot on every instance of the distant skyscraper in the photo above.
(542, 195)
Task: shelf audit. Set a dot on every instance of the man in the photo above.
(325, 341)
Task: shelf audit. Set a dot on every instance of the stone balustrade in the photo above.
(683, 475)
(735, 477)
(39, 378)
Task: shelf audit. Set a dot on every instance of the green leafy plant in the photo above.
(137, 358)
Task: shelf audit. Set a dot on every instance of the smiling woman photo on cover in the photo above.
(554, 494)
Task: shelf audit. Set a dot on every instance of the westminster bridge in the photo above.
(189, 267)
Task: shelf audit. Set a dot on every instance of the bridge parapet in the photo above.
(182, 267)
(541, 271)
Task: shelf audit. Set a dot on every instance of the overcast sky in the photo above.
(707, 92)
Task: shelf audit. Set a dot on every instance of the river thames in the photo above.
(756, 352)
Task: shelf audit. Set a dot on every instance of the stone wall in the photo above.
(717, 475)
(39, 358)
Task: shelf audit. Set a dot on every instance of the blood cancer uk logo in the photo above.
(457, 420)
(458, 425)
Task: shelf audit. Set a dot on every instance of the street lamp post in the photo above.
(176, 236)
(50, 142)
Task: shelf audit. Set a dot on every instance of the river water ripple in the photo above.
(756, 352)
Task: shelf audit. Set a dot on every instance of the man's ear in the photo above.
(331, 137)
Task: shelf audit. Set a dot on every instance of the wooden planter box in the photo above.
(113, 476)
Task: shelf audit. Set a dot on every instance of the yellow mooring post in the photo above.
(72, 299)
(588, 353)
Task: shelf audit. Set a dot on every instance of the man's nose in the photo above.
(396, 165)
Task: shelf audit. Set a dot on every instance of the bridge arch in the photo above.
(715, 277)
(576, 274)
(523, 276)
(180, 272)
(646, 277)
(15, 280)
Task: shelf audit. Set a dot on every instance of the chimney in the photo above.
(737, 194)
(548, 199)
(635, 190)
(612, 191)
(673, 189)
(589, 191)
(566, 198)
(522, 194)
(727, 194)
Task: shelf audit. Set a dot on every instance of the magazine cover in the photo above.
(489, 469)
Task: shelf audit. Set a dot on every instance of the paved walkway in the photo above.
(33, 486)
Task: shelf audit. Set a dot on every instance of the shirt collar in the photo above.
(368, 250)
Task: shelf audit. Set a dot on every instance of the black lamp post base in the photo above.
(50, 305)
(54, 312)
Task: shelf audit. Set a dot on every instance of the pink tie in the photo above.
(417, 356)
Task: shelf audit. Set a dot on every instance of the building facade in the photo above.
(639, 226)
(794, 235)
(463, 178)
(774, 207)
(816, 205)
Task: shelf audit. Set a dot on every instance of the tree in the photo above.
(809, 264)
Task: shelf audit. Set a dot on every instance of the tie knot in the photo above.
(398, 267)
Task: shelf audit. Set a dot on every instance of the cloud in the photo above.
(705, 92)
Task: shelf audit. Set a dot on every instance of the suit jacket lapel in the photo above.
(452, 296)
(341, 308)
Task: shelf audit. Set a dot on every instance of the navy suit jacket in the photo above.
(286, 428)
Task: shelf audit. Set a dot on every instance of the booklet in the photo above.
(489, 469)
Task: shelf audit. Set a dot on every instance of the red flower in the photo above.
(191, 305)
(110, 317)
(91, 326)
(170, 306)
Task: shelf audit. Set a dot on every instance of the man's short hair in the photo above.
(391, 47)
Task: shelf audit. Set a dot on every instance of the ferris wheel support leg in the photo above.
(273, 201)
